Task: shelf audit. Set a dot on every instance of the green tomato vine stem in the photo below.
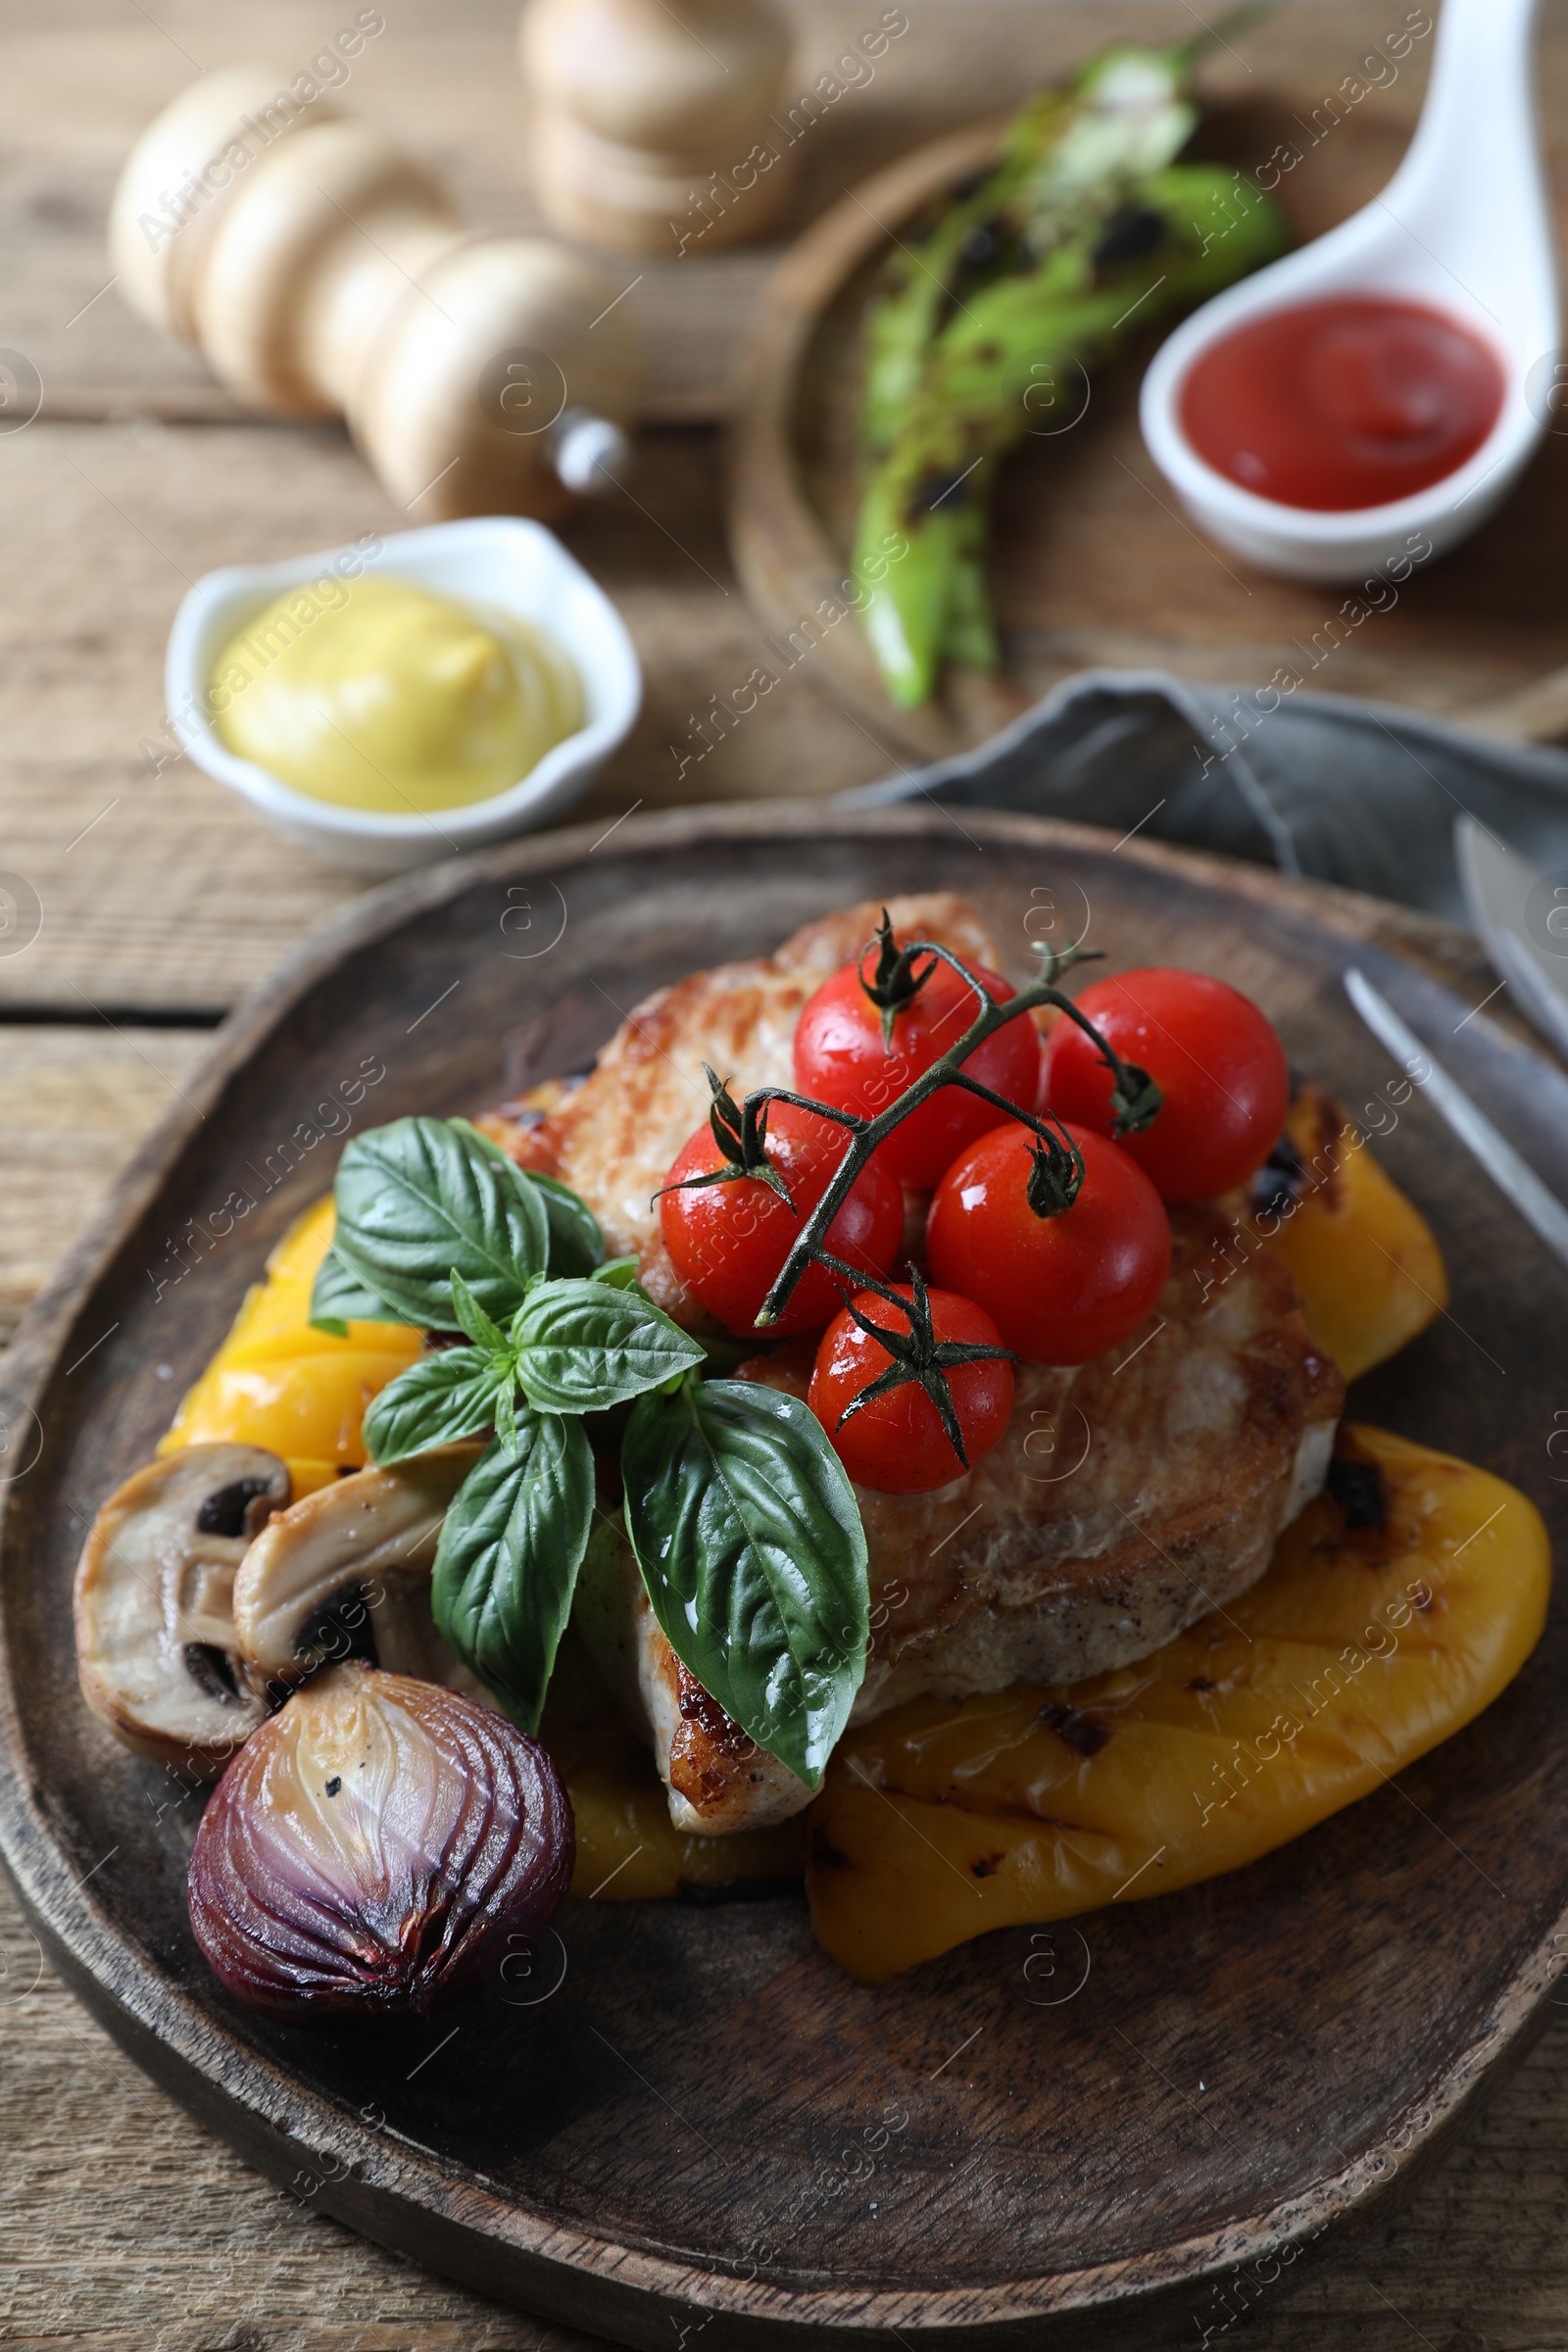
(1134, 1094)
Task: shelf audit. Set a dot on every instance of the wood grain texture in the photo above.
(129, 2230)
(1254, 2063)
(74, 1106)
(1092, 563)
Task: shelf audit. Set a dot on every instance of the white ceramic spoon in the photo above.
(1463, 227)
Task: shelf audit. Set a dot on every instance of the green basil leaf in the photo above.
(750, 1541)
(576, 1243)
(339, 1299)
(441, 1398)
(507, 1419)
(472, 1321)
(584, 1347)
(619, 1274)
(507, 1563)
(415, 1200)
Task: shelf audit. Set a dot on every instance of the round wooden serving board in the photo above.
(705, 2122)
(1092, 563)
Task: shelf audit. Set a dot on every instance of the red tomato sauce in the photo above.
(1343, 403)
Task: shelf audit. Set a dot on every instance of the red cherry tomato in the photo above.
(840, 1058)
(897, 1442)
(729, 1241)
(1059, 1289)
(1214, 1058)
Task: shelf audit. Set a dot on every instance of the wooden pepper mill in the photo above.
(321, 271)
(651, 129)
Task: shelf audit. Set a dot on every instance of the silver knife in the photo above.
(1523, 919)
(1513, 1178)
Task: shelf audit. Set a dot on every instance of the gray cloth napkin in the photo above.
(1363, 794)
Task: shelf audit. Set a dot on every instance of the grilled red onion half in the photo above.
(373, 1845)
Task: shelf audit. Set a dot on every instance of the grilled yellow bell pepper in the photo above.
(1366, 1263)
(277, 1383)
(1359, 1650)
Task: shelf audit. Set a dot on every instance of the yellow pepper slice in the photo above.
(1356, 1652)
(1366, 1263)
(276, 1382)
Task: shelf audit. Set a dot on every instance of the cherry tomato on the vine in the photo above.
(897, 1442)
(840, 1058)
(1215, 1059)
(729, 1241)
(1059, 1289)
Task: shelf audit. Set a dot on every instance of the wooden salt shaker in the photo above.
(650, 127)
(321, 271)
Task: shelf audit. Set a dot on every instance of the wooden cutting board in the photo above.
(1093, 563)
(705, 2122)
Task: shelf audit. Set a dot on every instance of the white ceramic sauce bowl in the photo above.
(1463, 227)
(495, 559)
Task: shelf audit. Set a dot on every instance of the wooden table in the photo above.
(124, 2227)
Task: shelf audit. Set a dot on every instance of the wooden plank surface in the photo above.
(128, 2229)
(124, 2227)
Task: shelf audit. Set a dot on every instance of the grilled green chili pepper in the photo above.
(1085, 232)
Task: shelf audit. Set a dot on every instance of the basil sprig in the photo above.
(746, 1529)
(584, 1347)
(507, 1562)
(571, 1347)
(421, 1200)
(744, 1524)
(436, 1401)
(576, 1243)
(364, 1277)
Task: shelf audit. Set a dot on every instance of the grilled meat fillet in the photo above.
(612, 1137)
(718, 1779)
(1128, 1496)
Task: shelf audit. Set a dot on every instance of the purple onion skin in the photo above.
(447, 1831)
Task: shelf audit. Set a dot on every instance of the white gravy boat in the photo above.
(1463, 227)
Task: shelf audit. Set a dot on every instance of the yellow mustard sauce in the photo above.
(378, 694)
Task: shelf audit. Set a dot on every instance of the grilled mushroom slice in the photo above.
(154, 1631)
(346, 1572)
